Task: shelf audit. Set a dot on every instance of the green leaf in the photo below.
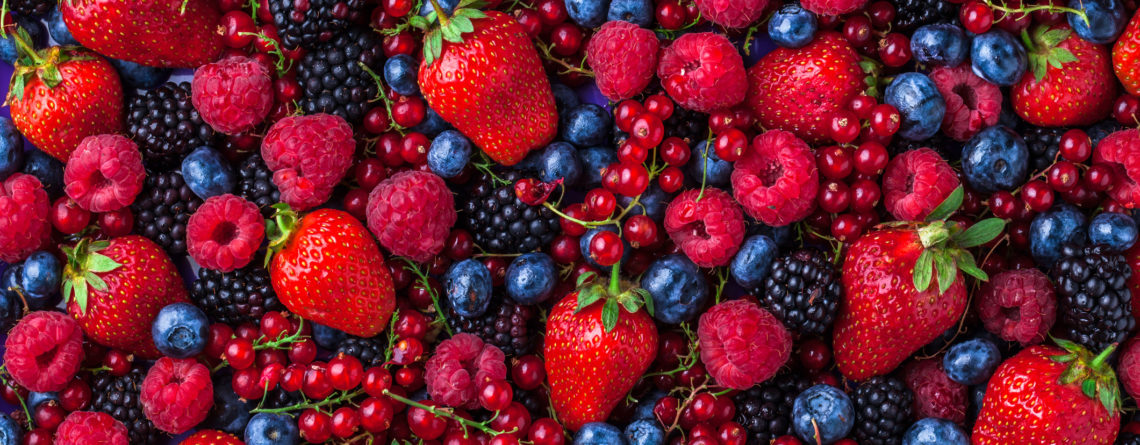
(1039, 64)
(95, 281)
(99, 263)
(948, 205)
(450, 34)
(469, 13)
(631, 302)
(99, 245)
(582, 279)
(610, 313)
(922, 270)
(81, 295)
(980, 233)
(1108, 398)
(418, 22)
(648, 300)
(1089, 388)
(1066, 344)
(462, 25)
(431, 16)
(946, 271)
(435, 42)
(67, 288)
(588, 296)
(1062, 55)
(1071, 374)
(967, 265)
(51, 76)
(1052, 37)
(1064, 358)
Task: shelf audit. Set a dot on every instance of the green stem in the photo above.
(382, 97)
(615, 278)
(591, 224)
(1031, 9)
(4, 381)
(1101, 358)
(27, 47)
(446, 413)
(423, 278)
(343, 397)
(440, 13)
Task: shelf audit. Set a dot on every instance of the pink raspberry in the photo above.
(224, 233)
(1128, 371)
(915, 182)
(1121, 151)
(44, 351)
(233, 94)
(90, 428)
(177, 394)
(460, 364)
(935, 395)
(708, 230)
(742, 344)
(777, 180)
(624, 57)
(104, 173)
(411, 214)
(972, 104)
(703, 72)
(1018, 305)
(732, 13)
(309, 155)
(833, 7)
(24, 225)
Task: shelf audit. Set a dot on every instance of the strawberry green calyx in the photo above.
(84, 263)
(1043, 49)
(279, 229)
(945, 245)
(1093, 373)
(43, 64)
(618, 294)
(438, 26)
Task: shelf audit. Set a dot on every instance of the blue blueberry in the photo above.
(35, 399)
(207, 173)
(594, 159)
(1115, 230)
(935, 431)
(638, 12)
(792, 26)
(433, 124)
(653, 202)
(598, 433)
(40, 276)
(467, 285)
(998, 57)
(995, 159)
(587, 125)
(230, 412)
(144, 77)
(10, 431)
(644, 432)
(565, 98)
(588, 13)
(824, 407)
(449, 153)
(271, 429)
(940, 44)
(36, 30)
(782, 235)
(11, 309)
(971, 362)
(678, 288)
(559, 160)
(644, 408)
(12, 283)
(716, 172)
(180, 330)
(47, 169)
(11, 148)
(1102, 129)
(327, 337)
(531, 278)
(400, 74)
(58, 29)
(584, 244)
(919, 103)
(447, 5)
(752, 262)
(1106, 19)
(1063, 224)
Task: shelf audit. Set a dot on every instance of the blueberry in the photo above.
(638, 12)
(792, 26)
(36, 30)
(559, 160)
(1115, 230)
(940, 44)
(230, 413)
(587, 13)
(400, 74)
(998, 57)
(447, 5)
(10, 431)
(935, 431)
(11, 148)
(599, 433)
(207, 173)
(1106, 19)
(327, 337)
(47, 169)
(1063, 224)
(751, 264)
(678, 288)
(468, 288)
(782, 235)
(58, 29)
(1102, 129)
(587, 125)
(645, 405)
(824, 407)
(718, 172)
(432, 124)
(584, 244)
(271, 429)
(971, 362)
(144, 77)
(180, 330)
(40, 276)
(531, 278)
(644, 432)
(11, 309)
(12, 283)
(36, 398)
(594, 159)
(995, 159)
(653, 202)
(919, 103)
(565, 98)
(449, 153)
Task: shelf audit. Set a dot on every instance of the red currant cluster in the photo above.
(870, 34)
(850, 189)
(44, 417)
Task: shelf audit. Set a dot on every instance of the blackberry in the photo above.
(166, 126)
(235, 297)
(370, 351)
(119, 397)
(510, 326)
(765, 410)
(1094, 304)
(332, 79)
(31, 8)
(255, 183)
(534, 400)
(882, 411)
(910, 14)
(690, 125)
(502, 223)
(803, 291)
(303, 24)
(1126, 438)
(280, 398)
(1043, 144)
(163, 208)
(945, 146)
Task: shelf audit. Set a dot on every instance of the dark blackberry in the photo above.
(690, 125)
(331, 77)
(765, 410)
(803, 291)
(235, 297)
(510, 326)
(535, 400)
(945, 146)
(255, 183)
(882, 411)
(910, 14)
(1094, 304)
(502, 223)
(307, 23)
(280, 398)
(370, 351)
(1126, 438)
(166, 126)
(119, 397)
(30, 8)
(163, 208)
(1043, 144)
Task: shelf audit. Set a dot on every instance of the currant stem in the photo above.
(423, 278)
(344, 396)
(592, 224)
(436, 411)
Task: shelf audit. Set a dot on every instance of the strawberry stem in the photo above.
(1099, 361)
(615, 278)
(440, 13)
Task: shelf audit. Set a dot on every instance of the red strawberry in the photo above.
(1046, 394)
(1126, 56)
(1069, 81)
(488, 82)
(116, 288)
(164, 33)
(326, 268)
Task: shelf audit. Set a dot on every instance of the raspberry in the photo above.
(833, 7)
(703, 72)
(624, 57)
(1018, 305)
(935, 395)
(732, 13)
(1128, 371)
(24, 225)
(915, 182)
(1121, 150)
(212, 437)
(104, 173)
(972, 104)
(232, 95)
(308, 155)
(44, 351)
(460, 364)
(742, 344)
(777, 181)
(177, 394)
(708, 230)
(224, 233)
(90, 428)
(411, 214)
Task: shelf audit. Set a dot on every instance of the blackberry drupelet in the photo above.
(166, 126)
(370, 351)
(510, 326)
(502, 223)
(163, 208)
(765, 410)
(307, 23)
(1043, 143)
(31, 8)
(255, 183)
(534, 400)
(803, 291)
(910, 14)
(119, 397)
(690, 125)
(882, 411)
(1094, 304)
(331, 77)
(235, 297)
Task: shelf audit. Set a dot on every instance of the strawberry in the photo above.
(58, 96)
(1069, 81)
(1126, 56)
(1049, 394)
(116, 288)
(889, 309)
(169, 33)
(482, 74)
(598, 344)
(326, 268)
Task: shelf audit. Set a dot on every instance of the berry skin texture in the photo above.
(742, 344)
(1128, 371)
(212, 437)
(459, 367)
(624, 58)
(44, 351)
(104, 173)
(935, 395)
(308, 155)
(90, 428)
(718, 82)
(411, 214)
(233, 95)
(972, 104)
(1126, 57)
(224, 233)
(833, 7)
(1077, 93)
(732, 13)
(708, 230)
(777, 181)
(915, 182)
(1018, 305)
(1121, 151)
(24, 224)
(178, 33)
(177, 394)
